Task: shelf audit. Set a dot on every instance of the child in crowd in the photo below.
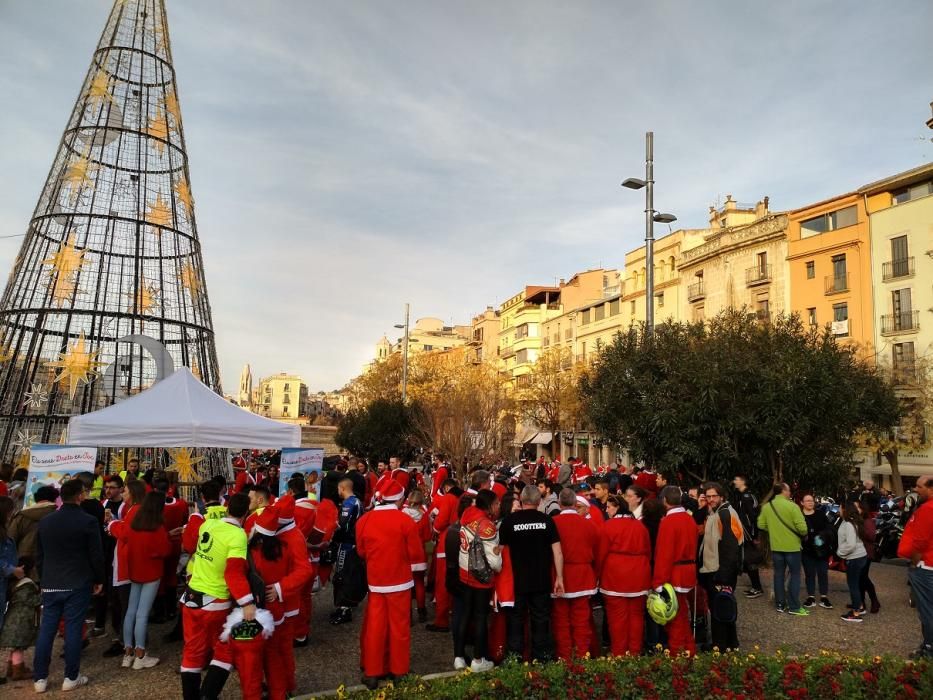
(21, 624)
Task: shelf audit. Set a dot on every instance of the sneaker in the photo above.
(851, 617)
(481, 665)
(98, 632)
(824, 603)
(924, 652)
(127, 660)
(810, 602)
(781, 608)
(799, 612)
(422, 614)
(145, 662)
(41, 686)
(72, 684)
(459, 663)
(875, 607)
(300, 642)
(753, 593)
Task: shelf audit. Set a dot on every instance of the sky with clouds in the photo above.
(348, 157)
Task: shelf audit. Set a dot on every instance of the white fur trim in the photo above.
(263, 617)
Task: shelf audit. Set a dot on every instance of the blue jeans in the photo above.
(71, 605)
(136, 617)
(816, 570)
(782, 561)
(854, 569)
(921, 583)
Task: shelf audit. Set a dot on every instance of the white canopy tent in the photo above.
(180, 411)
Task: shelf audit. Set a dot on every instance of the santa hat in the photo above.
(286, 509)
(267, 522)
(582, 501)
(263, 617)
(390, 492)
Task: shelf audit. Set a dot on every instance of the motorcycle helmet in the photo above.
(662, 606)
(723, 607)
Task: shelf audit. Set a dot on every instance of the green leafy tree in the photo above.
(776, 401)
(381, 429)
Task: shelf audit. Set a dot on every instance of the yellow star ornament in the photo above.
(170, 104)
(6, 354)
(158, 130)
(78, 175)
(184, 194)
(63, 290)
(76, 365)
(143, 300)
(189, 279)
(159, 214)
(68, 259)
(98, 91)
(184, 462)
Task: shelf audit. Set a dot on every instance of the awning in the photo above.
(526, 437)
(542, 439)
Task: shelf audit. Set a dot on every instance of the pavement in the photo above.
(332, 657)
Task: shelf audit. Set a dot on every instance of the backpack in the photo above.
(826, 541)
(477, 564)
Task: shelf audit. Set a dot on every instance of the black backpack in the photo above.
(478, 565)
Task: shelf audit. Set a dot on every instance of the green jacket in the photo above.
(782, 538)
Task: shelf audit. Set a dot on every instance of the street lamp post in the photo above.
(634, 183)
(405, 357)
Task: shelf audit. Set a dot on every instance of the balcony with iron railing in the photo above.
(760, 274)
(897, 269)
(903, 322)
(696, 291)
(905, 373)
(836, 284)
(506, 353)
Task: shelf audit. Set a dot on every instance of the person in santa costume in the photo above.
(570, 610)
(415, 509)
(245, 475)
(296, 554)
(443, 514)
(438, 479)
(648, 480)
(675, 563)
(218, 583)
(623, 564)
(305, 517)
(387, 540)
(175, 516)
(254, 658)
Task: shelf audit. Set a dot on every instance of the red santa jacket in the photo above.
(325, 525)
(175, 515)
(918, 535)
(146, 551)
(115, 528)
(296, 553)
(444, 512)
(676, 552)
(581, 472)
(578, 541)
(401, 476)
(422, 521)
(437, 481)
(243, 479)
(648, 481)
(371, 480)
(387, 540)
(287, 574)
(505, 582)
(623, 558)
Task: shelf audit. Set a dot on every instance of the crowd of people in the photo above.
(538, 561)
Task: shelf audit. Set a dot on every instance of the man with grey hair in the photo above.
(534, 547)
(479, 480)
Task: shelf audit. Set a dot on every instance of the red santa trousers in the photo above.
(385, 643)
(246, 655)
(285, 652)
(202, 635)
(441, 594)
(626, 623)
(278, 660)
(572, 626)
(496, 640)
(418, 576)
(301, 625)
(679, 635)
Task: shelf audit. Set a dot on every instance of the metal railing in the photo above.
(900, 322)
(696, 291)
(760, 274)
(837, 283)
(895, 269)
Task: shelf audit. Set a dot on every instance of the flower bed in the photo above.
(732, 675)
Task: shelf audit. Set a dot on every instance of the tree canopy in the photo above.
(384, 428)
(774, 401)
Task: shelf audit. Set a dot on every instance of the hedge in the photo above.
(736, 676)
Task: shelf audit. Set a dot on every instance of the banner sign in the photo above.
(301, 460)
(53, 465)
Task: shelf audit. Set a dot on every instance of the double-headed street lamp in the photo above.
(404, 357)
(634, 183)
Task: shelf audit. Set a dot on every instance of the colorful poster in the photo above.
(53, 465)
(302, 460)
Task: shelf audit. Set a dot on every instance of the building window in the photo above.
(904, 365)
(583, 349)
(599, 312)
(811, 269)
(632, 307)
(762, 308)
(521, 357)
(428, 348)
(614, 307)
(811, 315)
(841, 320)
(284, 410)
(913, 192)
(839, 269)
(829, 222)
(660, 298)
(584, 317)
(286, 399)
(286, 388)
(762, 262)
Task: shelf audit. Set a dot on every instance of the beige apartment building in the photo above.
(281, 396)
(426, 335)
(740, 261)
(484, 336)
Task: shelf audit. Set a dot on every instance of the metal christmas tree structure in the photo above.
(107, 294)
